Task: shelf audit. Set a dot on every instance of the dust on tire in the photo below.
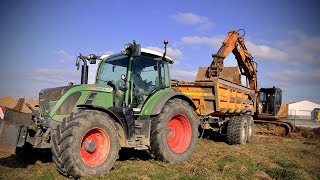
(237, 130)
(67, 141)
(159, 144)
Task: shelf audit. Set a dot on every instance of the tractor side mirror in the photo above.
(133, 50)
(137, 50)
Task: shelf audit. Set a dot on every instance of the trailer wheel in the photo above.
(237, 130)
(85, 144)
(250, 128)
(174, 132)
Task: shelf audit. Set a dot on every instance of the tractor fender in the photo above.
(118, 117)
(166, 97)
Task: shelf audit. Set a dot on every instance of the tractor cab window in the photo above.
(112, 69)
(110, 72)
(147, 75)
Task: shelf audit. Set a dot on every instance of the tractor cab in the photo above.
(135, 74)
(270, 100)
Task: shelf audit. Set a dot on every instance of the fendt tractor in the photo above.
(131, 105)
(134, 104)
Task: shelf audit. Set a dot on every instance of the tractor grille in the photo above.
(48, 97)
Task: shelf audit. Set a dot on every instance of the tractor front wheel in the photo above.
(174, 132)
(85, 144)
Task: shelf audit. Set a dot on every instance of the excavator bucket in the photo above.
(228, 73)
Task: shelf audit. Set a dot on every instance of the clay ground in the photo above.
(267, 157)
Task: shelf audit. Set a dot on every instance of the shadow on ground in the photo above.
(26, 157)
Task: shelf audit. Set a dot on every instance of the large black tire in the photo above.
(174, 132)
(250, 129)
(237, 130)
(85, 144)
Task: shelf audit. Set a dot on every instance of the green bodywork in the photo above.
(102, 95)
(102, 98)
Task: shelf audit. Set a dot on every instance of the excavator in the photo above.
(270, 111)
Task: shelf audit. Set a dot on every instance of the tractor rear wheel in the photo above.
(237, 130)
(174, 132)
(85, 144)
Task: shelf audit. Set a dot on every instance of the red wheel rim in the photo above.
(95, 147)
(179, 133)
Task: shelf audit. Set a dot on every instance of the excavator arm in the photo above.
(235, 44)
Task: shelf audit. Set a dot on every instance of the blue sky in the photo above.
(39, 40)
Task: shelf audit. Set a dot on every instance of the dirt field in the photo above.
(267, 157)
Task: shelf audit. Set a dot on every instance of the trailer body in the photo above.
(218, 97)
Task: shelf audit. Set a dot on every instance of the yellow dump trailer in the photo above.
(218, 97)
(223, 107)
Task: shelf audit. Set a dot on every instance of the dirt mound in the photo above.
(310, 133)
(11, 103)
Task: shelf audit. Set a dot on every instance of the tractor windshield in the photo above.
(112, 69)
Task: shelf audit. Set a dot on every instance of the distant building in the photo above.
(301, 109)
(315, 114)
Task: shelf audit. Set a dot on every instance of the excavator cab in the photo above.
(270, 100)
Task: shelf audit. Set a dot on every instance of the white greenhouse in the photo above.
(301, 109)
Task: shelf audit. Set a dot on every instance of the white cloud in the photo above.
(258, 51)
(107, 53)
(298, 34)
(61, 76)
(296, 84)
(305, 50)
(201, 22)
(214, 41)
(266, 52)
(184, 75)
(174, 53)
(301, 48)
(63, 56)
(295, 77)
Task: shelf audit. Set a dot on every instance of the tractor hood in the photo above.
(63, 100)
(48, 97)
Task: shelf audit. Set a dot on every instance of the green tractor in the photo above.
(131, 105)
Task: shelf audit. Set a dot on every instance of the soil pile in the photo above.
(11, 103)
(310, 133)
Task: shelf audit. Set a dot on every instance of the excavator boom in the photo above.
(235, 44)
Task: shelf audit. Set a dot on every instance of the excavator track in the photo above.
(276, 128)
